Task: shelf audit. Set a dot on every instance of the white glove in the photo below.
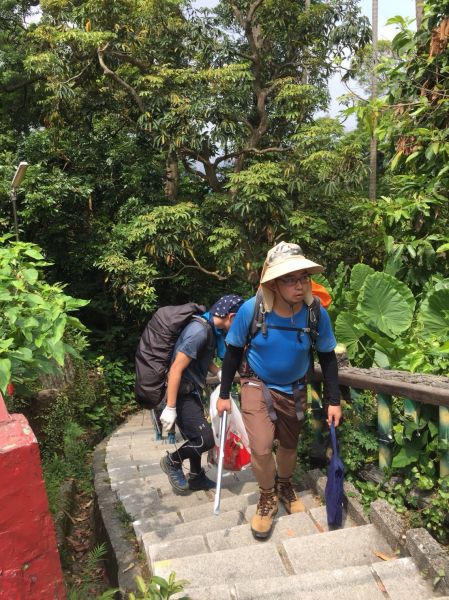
(219, 375)
(168, 417)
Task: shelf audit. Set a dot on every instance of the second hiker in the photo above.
(275, 363)
(199, 341)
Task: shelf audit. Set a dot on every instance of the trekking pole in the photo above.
(223, 424)
(156, 425)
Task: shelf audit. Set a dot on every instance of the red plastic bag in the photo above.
(237, 454)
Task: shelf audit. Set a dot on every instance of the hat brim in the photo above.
(289, 265)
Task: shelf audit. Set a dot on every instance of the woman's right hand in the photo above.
(223, 405)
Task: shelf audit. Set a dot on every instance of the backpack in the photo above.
(155, 350)
(258, 323)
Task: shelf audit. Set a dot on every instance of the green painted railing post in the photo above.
(444, 437)
(411, 410)
(385, 430)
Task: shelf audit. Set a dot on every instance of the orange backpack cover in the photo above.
(321, 292)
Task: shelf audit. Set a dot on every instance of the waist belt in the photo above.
(269, 398)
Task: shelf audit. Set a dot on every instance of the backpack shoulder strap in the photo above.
(258, 321)
(313, 319)
(208, 326)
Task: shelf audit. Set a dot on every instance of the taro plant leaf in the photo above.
(433, 315)
(383, 305)
(347, 332)
(358, 275)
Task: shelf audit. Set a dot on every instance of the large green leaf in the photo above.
(5, 373)
(358, 275)
(386, 304)
(433, 315)
(347, 333)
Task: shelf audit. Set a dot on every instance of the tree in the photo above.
(168, 139)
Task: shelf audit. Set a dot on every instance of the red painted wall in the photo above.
(29, 559)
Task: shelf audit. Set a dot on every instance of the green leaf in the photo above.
(32, 253)
(30, 275)
(433, 315)
(386, 303)
(5, 374)
(358, 275)
(347, 332)
(405, 457)
(395, 160)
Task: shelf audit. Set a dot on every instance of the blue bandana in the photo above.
(225, 305)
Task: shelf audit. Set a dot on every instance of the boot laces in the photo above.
(287, 491)
(265, 503)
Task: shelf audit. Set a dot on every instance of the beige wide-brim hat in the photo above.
(282, 259)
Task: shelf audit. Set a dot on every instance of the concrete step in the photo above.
(193, 513)
(350, 583)
(402, 579)
(319, 517)
(285, 527)
(395, 579)
(200, 526)
(225, 566)
(353, 546)
(214, 540)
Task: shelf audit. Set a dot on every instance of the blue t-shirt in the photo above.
(282, 357)
(193, 341)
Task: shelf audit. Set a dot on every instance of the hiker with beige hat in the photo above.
(271, 340)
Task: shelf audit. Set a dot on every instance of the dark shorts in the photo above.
(261, 430)
(190, 416)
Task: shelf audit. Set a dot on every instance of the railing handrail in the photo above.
(421, 387)
(427, 389)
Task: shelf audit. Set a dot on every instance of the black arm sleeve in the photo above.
(231, 362)
(329, 367)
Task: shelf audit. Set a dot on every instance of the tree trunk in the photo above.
(374, 93)
(171, 177)
(419, 12)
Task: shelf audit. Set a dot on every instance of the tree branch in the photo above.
(184, 267)
(191, 170)
(252, 9)
(202, 269)
(13, 87)
(113, 75)
(130, 59)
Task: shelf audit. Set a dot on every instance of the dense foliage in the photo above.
(170, 147)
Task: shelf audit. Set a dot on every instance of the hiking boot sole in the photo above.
(180, 491)
(260, 535)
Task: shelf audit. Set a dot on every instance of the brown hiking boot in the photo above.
(288, 497)
(267, 507)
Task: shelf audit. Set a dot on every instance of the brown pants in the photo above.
(262, 431)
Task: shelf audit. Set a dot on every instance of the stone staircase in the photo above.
(219, 557)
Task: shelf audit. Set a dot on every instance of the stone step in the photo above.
(402, 579)
(152, 502)
(353, 546)
(396, 580)
(225, 566)
(199, 527)
(285, 527)
(193, 513)
(205, 509)
(223, 538)
(319, 517)
(351, 583)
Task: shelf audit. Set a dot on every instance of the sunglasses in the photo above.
(291, 281)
